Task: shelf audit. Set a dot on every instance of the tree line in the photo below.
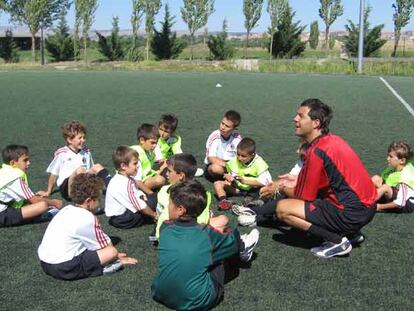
(284, 32)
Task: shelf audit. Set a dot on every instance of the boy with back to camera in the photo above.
(73, 159)
(395, 186)
(191, 270)
(74, 245)
(221, 146)
(125, 204)
(18, 203)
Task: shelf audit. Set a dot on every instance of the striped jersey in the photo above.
(224, 149)
(16, 191)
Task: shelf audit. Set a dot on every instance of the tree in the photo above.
(151, 8)
(136, 18)
(8, 48)
(252, 10)
(36, 14)
(218, 45)
(332, 41)
(165, 44)
(87, 9)
(111, 47)
(287, 42)
(314, 35)
(372, 37)
(195, 14)
(60, 44)
(76, 26)
(275, 9)
(329, 11)
(401, 18)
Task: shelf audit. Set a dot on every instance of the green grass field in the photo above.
(284, 275)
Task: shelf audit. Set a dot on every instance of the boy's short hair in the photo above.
(191, 195)
(184, 163)
(234, 117)
(147, 131)
(85, 186)
(319, 111)
(169, 122)
(13, 152)
(72, 128)
(401, 149)
(123, 154)
(248, 145)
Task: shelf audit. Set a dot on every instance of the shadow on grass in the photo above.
(296, 238)
(115, 240)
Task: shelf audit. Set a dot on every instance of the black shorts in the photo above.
(11, 217)
(127, 220)
(210, 177)
(408, 207)
(326, 215)
(64, 190)
(82, 266)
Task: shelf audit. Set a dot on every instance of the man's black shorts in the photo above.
(326, 215)
(11, 217)
(127, 220)
(82, 266)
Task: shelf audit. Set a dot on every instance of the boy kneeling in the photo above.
(191, 270)
(74, 246)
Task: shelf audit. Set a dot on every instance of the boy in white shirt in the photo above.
(221, 146)
(74, 245)
(73, 159)
(125, 204)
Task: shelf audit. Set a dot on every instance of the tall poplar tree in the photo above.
(136, 18)
(314, 35)
(151, 8)
(87, 16)
(195, 14)
(329, 11)
(401, 18)
(252, 10)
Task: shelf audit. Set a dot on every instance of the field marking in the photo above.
(402, 101)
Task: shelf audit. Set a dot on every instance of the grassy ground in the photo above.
(284, 275)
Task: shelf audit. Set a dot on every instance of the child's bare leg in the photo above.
(377, 181)
(384, 191)
(155, 182)
(216, 170)
(35, 209)
(219, 223)
(219, 188)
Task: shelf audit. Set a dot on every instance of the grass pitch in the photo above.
(284, 275)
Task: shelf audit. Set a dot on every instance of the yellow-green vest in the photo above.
(170, 146)
(147, 160)
(9, 174)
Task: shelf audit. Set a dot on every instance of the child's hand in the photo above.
(228, 177)
(56, 203)
(43, 193)
(288, 181)
(269, 190)
(127, 260)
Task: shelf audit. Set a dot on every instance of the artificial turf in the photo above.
(284, 275)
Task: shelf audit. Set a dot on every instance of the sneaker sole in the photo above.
(344, 252)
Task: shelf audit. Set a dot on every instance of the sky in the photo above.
(232, 10)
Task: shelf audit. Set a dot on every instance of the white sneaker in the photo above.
(199, 172)
(247, 220)
(330, 249)
(112, 267)
(242, 210)
(250, 241)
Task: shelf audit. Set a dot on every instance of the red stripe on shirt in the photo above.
(28, 194)
(100, 236)
(132, 197)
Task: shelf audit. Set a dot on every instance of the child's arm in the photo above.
(51, 182)
(149, 212)
(51, 202)
(385, 206)
(144, 188)
(250, 181)
(224, 244)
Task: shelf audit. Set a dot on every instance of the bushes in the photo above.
(8, 49)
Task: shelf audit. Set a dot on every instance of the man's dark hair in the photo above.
(184, 163)
(191, 195)
(234, 117)
(13, 152)
(248, 145)
(169, 122)
(319, 111)
(85, 186)
(147, 131)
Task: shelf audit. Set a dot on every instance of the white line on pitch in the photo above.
(402, 101)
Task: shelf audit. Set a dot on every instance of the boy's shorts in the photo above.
(326, 215)
(11, 217)
(82, 266)
(127, 220)
(64, 190)
(408, 207)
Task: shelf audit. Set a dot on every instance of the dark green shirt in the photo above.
(186, 252)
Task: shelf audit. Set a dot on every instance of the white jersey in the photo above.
(297, 168)
(122, 194)
(66, 161)
(224, 149)
(404, 194)
(71, 232)
(15, 191)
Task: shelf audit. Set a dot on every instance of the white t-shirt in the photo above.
(71, 232)
(15, 191)
(122, 194)
(404, 194)
(66, 161)
(297, 168)
(224, 149)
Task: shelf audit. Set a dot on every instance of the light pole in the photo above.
(361, 37)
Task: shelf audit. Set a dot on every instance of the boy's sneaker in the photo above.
(48, 215)
(241, 210)
(199, 172)
(356, 238)
(330, 249)
(225, 204)
(112, 267)
(250, 240)
(247, 220)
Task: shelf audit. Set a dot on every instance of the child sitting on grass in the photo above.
(73, 159)
(191, 270)
(395, 186)
(74, 246)
(182, 167)
(246, 174)
(18, 203)
(125, 204)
